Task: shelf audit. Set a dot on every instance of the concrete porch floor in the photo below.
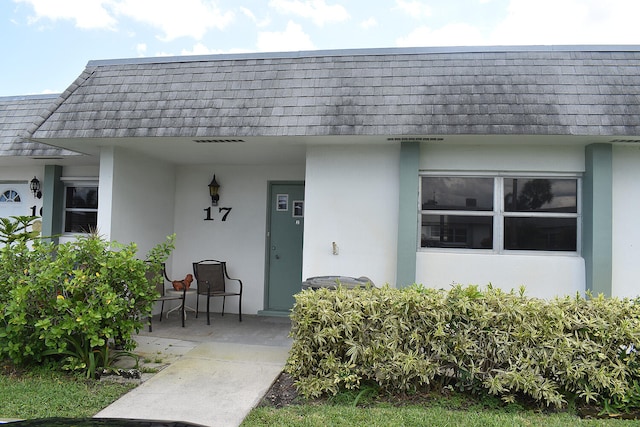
(262, 330)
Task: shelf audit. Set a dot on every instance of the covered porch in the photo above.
(253, 330)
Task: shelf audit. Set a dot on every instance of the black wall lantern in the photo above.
(214, 187)
(35, 188)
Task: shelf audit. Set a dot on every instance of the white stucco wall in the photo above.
(626, 231)
(351, 198)
(136, 198)
(240, 240)
(544, 275)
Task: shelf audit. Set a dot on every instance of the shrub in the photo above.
(504, 344)
(70, 302)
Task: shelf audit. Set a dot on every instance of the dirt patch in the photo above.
(282, 392)
(8, 369)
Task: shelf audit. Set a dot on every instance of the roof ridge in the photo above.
(28, 133)
(365, 51)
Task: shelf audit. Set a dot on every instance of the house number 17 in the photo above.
(220, 210)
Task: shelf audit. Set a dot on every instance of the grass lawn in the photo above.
(40, 393)
(429, 409)
(413, 415)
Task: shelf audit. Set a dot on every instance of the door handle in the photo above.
(277, 256)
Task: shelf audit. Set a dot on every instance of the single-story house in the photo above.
(504, 165)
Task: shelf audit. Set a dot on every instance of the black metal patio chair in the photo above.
(211, 279)
(158, 279)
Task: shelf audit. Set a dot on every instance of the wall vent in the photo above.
(419, 138)
(216, 141)
(625, 140)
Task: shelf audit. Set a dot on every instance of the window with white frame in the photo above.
(81, 208)
(500, 213)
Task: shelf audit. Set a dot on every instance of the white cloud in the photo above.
(369, 23)
(164, 54)
(186, 18)
(449, 35)
(544, 22)
(316, 10)
(201, 49)
(87, 14)
(260, 23)
(247, 12)
(569, 22)
(141, 48)
(198, 49)
(414, 8)
(293, 38)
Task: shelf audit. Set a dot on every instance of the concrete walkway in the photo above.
(215, 375)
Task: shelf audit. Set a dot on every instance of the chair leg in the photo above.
(161, 310)
(182, 312)
(208, 320)
(223, 300)
(197, 304)
(240, 308)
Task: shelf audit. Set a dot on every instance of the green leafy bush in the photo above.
(71, 302)
(490, 341)
(17, 228)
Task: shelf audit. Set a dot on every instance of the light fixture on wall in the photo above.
(214, 187)
(35, 188)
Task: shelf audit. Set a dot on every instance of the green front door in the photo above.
(284, 263)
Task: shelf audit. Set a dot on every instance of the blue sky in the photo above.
(47, 43)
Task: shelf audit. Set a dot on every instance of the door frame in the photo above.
(267, 249)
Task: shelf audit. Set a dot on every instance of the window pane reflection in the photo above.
(80, 222)
(456, 231)
(544, 234)
(455, 193)
(540, 195)
(82, 197)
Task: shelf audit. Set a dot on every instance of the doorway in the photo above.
(285, 230)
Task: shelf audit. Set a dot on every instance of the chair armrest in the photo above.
(226, 274)
(237, 280)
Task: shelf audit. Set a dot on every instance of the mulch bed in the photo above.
(283, 392)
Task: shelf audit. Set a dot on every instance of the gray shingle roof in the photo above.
(534, 90)
(18, 113)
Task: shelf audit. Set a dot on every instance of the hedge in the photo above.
(491, 341)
